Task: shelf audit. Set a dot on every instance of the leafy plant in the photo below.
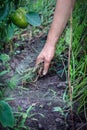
(6, 115)
(4, 69)
(23, 116)
(12, 12)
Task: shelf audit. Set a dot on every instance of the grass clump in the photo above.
(78, 61)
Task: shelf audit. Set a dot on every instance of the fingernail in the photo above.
(44, 72)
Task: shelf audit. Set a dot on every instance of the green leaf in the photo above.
(58, 109)
(3, 72)
(29, 109)
(35, 5)
(33, 19)
(0, 94)
(13, 82)
(6, 115)
(10, 32)
(4, 58)
(4, 12)
(67, 36)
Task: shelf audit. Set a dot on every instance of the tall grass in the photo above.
(78, 62)
(79, 55)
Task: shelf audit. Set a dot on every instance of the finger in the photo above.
(40, 72)
(39, 60)
(46, 67)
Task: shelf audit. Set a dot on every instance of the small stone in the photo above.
(40, 127)
(60, 121)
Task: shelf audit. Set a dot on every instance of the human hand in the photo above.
(45, 56)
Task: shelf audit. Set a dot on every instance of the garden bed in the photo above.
(45, 96)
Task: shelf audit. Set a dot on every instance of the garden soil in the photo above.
(45, 96)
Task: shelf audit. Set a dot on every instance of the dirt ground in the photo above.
(44, 95)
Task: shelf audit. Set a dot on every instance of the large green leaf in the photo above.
(33, 19)
(6, 115)
(4, 12)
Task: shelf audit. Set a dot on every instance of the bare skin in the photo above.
(61, 15)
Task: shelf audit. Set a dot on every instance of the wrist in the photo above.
(49, 46)
(52, 38)
(51, 41)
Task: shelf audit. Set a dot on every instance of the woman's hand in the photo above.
(46, 55)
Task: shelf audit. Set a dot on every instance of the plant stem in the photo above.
(11, 47)
(69, 78)
(69, 58)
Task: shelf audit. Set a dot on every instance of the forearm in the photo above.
(61, 16)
